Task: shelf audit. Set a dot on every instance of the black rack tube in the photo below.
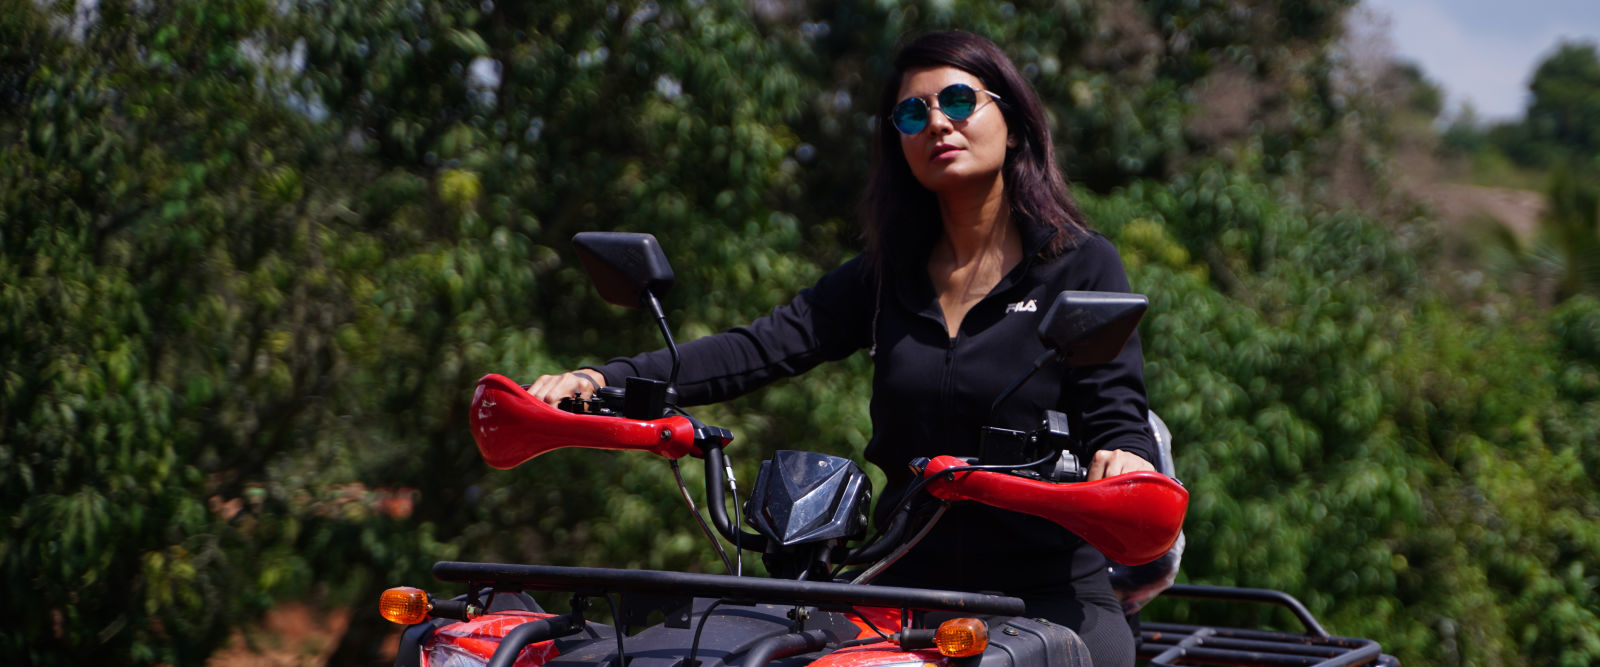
(532, 632)
(783, 646)
(1263, 595)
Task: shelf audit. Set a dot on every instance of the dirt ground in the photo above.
(1420, 175)
(290, 635)
(1518, 210)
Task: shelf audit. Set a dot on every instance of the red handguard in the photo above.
(1133, 518)
(511, 426)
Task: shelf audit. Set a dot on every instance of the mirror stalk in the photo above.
(1038, 363)
(654, 306)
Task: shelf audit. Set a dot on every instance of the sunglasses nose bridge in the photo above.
(943, 119)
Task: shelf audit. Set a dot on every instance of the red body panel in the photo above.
(480, 636)
(887, 621)
(511, 426)
(1133, 519)
(881, 653)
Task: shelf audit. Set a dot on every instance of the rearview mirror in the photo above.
(1089, 328)
(624, 266)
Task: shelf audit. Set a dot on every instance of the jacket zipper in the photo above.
(947, 386)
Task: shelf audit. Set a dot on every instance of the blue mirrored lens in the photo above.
(910, 115)
(958, 101)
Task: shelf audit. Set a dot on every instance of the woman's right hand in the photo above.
(581, 383)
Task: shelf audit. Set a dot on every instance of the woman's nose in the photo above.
(938, 123)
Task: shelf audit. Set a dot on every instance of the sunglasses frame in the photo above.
(927, 108)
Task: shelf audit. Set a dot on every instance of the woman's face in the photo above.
(948, 154)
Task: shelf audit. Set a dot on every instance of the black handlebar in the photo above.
(715, 461)
(611, 401)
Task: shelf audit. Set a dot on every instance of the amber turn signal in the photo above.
(962, 637)
(404, 605)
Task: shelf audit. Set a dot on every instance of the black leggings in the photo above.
(1096, 617)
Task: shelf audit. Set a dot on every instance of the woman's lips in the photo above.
(943, 151)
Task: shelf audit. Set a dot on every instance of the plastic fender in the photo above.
(479, 637)
(511, 426)
(1133, 518)
(1029, 642)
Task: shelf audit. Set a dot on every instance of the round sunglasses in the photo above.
(957, 102)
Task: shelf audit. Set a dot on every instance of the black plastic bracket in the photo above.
(1002, 446)
(636, 609)
(645, 398)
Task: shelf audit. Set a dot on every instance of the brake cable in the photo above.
(736, 567)
(733, 491)
(870, 625)
(684, 489)
(694, 646)
(617, 627)
(910, 496)
(950, 472)
(877, 568)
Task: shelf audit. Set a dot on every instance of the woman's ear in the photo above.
(1011, 141)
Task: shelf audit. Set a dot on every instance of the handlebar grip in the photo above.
(510, 426)
(1133, 518)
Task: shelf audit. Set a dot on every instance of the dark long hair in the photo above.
(901, 218)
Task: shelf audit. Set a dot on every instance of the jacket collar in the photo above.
(912, 286)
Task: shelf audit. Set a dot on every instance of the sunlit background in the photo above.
(1483, 53)
(255, 253)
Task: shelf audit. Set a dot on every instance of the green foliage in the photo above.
(146, 347)
(255, 255)
(1564, 111)
(1571, 232)
(1331, 416)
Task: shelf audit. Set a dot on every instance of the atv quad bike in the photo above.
(809, 512)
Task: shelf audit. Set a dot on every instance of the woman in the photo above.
(971, 231)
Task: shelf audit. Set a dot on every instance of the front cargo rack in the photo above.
(1172, 644)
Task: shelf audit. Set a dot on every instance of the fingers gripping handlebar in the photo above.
(1133, 518)
(510, 427)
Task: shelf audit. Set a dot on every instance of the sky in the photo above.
(1484, 51)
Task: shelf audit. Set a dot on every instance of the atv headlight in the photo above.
(448, 655)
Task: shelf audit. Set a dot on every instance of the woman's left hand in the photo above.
(1113, 462)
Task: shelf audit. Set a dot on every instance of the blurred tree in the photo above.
(1564, 107)
(157, 339)
(1570, 232)
(1420, 94)
(1464, 135)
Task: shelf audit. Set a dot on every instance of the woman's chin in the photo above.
(953, 178)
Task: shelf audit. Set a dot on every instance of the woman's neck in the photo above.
(977, 224)
(978, 247)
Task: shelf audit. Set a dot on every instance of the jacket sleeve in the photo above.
(825, 322)
(1111, 397)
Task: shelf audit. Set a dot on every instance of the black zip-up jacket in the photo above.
(931, 393)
